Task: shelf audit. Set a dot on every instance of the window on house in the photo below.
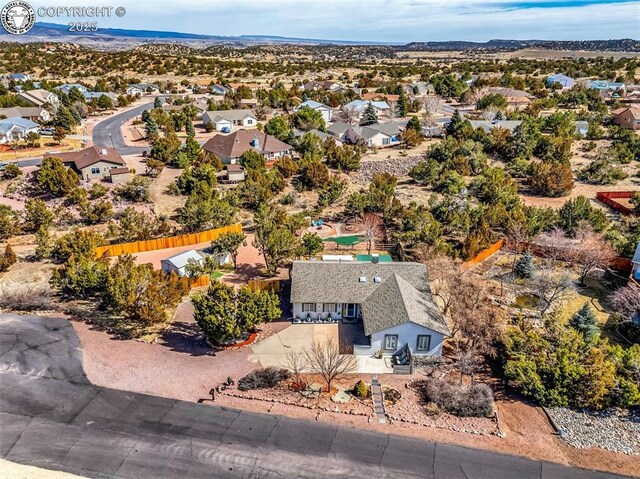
(95, 171)
(308, 307)
(330, 307)
(249, 122)
(424, 343)
(385, 141)
(391, 341)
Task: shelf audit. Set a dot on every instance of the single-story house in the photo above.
(380, 135)
(516, 99)
(320, 134)
(325, 111)
(382, 108)
(249, 102)
(16, 77)
(66, 88)
(229, 118)
(606, 85)
(392, 300)
(32, 113)
(119, 175)
(139, 89)
(229, 148)
(381, 97)
(90, 95)
(627, 117)
(178, 263)
(40, 98)
(220, 90)
(15, 129)
(235, 173)
(563, 80)
(94, 162)
(339, 130)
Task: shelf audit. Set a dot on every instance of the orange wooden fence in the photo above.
(168, 242)
(264, 284)
(482, 255)
(608, 198)
(199, 281)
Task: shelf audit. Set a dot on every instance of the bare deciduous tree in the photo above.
(555, 244)
(430, 105)
(296, 361)
(371, 229)
(591, 251)
(326, 360)
(490, 113)
(626, 301)
(348, 114)
(550, 287)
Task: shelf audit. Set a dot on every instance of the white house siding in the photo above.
(320, 311)
(379, 141)
(103, 168)
(223, 124)
(407, 334)
(327, 114)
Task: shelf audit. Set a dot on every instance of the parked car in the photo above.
(46, 131)
(225, 129)
(3, 166)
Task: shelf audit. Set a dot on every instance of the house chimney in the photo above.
(375, 258)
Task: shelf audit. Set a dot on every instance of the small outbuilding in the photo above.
(178, 263)
(119, 175)
(235, 173)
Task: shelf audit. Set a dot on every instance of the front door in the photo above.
(349, 311)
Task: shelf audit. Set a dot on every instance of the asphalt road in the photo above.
(52, 417)
(107, 132)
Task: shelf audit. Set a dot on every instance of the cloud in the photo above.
(382, 20)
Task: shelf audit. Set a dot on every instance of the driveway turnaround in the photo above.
(52, 417)
(107, 132)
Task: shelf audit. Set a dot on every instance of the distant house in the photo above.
(66, 88)
(29, 112)
(229, 118)
(516, 99)
(326, 111)
(178, 263)
(15, 129)
(381, 96)
(18, 77)
(220, 90)
(488, 125)
(560, 79)
(229, 148)
(627, 117)
(380, 135)
(339, 130)
(91, 95)
(40, 98)
(139, 89)
(581, 128)
(606, 85)
(235, 173)
(391, 300)
(94, 162)
(320, 134)
(382, 108)
(249, 102)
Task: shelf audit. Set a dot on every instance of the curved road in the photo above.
(107, 132)
(51, 416)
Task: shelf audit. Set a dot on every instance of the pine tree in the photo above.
(585, 321)
(524, 266)
(157, 103)
(189, 128)
(402, 104)
(369, 117)
(43, 242)
(414, 124)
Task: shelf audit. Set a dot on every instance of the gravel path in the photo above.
(614, 430)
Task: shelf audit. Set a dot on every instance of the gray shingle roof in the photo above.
(403, 293)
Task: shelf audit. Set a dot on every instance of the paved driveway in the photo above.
(273, 350)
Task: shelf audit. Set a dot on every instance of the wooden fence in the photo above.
(482, 255)
(264, 285)
(199, 281)
(609, 199)
(168, 242)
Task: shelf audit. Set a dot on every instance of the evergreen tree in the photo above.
(157, 103)
(189, 128)
(43, 242)
(369, 117)
(585, 322)
(458, 127)
(401, 107)
(414, 124)
(524, 266)
(8, 258)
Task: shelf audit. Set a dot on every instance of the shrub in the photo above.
(8, 258)
(475, 400)
(11, 171)
(25, 298)
(360, 390)
(263, 378)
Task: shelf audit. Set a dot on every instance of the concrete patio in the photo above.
(273, 350)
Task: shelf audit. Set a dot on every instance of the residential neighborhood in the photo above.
(424, 255)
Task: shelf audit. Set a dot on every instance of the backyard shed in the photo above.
(178, 263)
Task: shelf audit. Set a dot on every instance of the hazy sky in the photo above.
(379, 20)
